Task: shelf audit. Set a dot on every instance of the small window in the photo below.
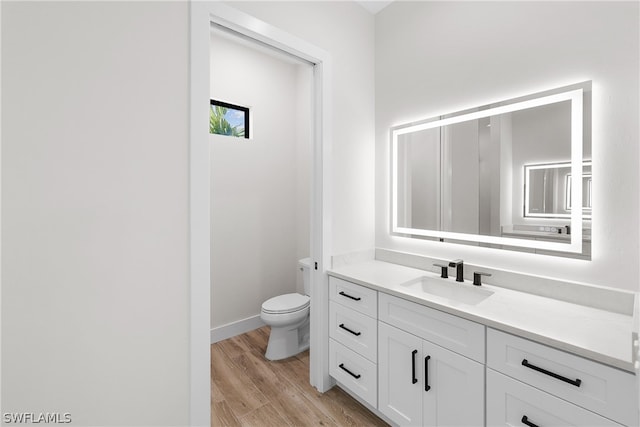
(228, 119)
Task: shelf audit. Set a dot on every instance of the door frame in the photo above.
(202, 15)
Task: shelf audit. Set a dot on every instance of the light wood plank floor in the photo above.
(249, 390)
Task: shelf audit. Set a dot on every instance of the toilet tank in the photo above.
(305, 265)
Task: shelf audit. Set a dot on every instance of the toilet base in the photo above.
(287, 341)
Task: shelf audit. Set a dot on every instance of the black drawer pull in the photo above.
(575, 382)
(349, 296)
(427, 387)
(413, 367)
(526, 422)
(341, 325)
(341, 366)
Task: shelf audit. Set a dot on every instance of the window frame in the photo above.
(247, 131)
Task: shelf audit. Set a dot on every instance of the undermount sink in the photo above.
(451, 290)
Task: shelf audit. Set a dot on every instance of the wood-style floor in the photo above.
(249, 390)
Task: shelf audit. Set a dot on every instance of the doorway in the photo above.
(260, 165)
(203, 14)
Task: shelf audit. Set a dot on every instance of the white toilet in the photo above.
(288, 316)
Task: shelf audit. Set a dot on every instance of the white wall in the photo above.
(259, 187)
(439, 57)
(95, 312)
(346, 31)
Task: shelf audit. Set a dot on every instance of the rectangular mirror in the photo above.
(460, 177)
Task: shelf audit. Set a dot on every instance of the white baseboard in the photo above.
(232, 329)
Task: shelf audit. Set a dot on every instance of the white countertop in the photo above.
(596, 334)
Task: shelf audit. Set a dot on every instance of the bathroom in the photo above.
(128, 233)
(402, 95)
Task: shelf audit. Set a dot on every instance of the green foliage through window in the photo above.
(225, 120)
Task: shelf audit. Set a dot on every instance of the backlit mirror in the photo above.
(504, 175)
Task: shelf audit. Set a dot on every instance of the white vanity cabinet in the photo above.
(547, 386)
(421, 382)
(353, 338)
(420, 366)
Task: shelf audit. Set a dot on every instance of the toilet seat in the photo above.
(287, 303)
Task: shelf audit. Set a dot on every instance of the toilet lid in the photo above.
(286, 303)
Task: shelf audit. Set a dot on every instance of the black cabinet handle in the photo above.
(349, 296)
(575, 382)
(526, 422)
(413, 367)
(341, 325)
(427, 387)
(341, 366)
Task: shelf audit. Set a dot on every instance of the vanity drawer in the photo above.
(509, 401)
(454, 333)
(354, 372)
(354, 330)
(592, 385)
(354, 296)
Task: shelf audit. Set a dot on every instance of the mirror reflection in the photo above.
(547, 190)
(460, 177)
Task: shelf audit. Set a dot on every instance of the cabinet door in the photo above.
(453, 388)
(399, 375)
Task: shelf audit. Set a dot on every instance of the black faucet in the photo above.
(459, 265)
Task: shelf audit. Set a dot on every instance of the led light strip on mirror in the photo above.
(575, 96)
